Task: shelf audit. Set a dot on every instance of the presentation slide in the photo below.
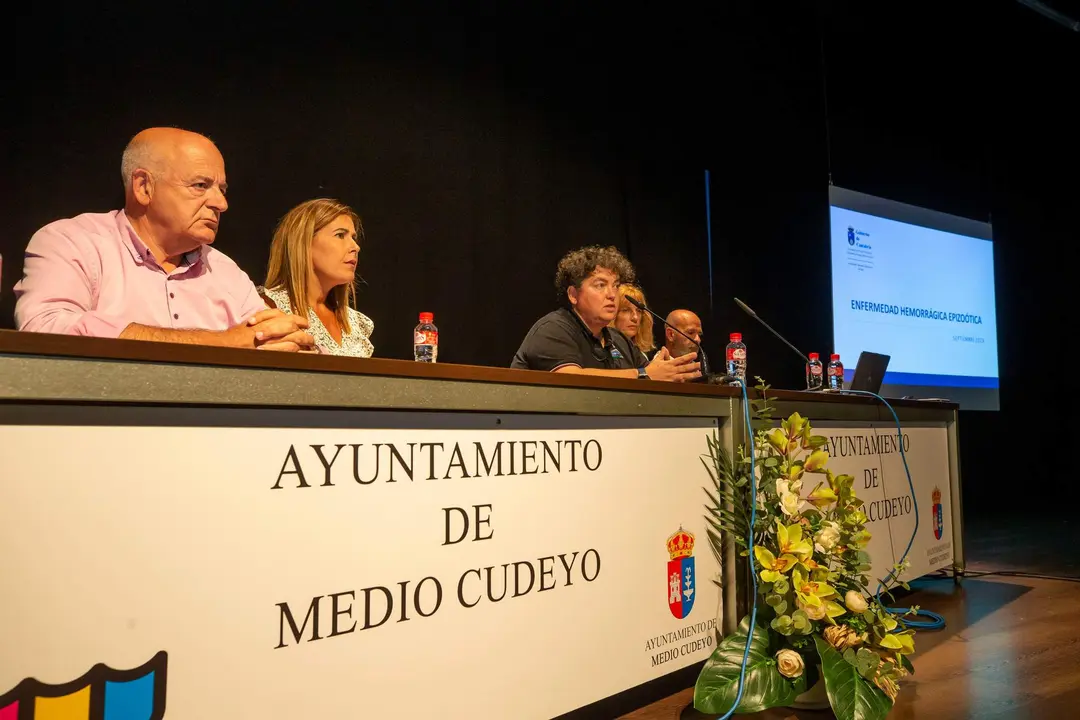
(916, 285)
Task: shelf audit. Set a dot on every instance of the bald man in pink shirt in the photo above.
(148, 272)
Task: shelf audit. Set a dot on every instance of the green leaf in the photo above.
(851, 696)
(713, 501)
(866, 662)
(717, 545)
(728, 521)
(802, 643)
(764, 687)
(721, 522)
(782, 624)
(708, 469)
(891, 642)
(729, 497)
(907, 664)
(817, 441)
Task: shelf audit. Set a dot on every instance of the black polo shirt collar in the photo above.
(607, 353)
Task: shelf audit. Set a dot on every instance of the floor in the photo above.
(1011, 646)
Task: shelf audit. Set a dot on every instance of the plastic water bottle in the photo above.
(814, 373)
(836, 373)
(426, 339)
(736, 358)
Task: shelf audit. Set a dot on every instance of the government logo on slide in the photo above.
(681, 579)
(99, 694)
(851, 236)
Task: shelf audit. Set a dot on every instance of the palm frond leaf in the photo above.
(728, 509)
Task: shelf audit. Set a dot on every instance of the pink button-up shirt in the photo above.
(92, 275)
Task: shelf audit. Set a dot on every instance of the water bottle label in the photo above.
(426, 337)
(736, 354)
(816, 370)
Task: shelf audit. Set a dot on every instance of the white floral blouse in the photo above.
(355, 343)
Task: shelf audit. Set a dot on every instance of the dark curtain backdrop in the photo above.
(480, 141)
(477, 148)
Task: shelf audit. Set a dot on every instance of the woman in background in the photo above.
(631, 322)
(312, 274)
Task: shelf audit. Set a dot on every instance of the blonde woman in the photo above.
(633, 323)
(312, 272)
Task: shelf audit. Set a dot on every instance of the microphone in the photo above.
(751, 313)
(702, 357)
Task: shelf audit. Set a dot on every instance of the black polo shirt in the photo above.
(560, 338)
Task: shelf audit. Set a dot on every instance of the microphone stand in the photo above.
(751, 313)
(706, 375)
(746, 308)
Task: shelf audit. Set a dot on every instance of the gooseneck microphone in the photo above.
(702, 357)
(751, 313)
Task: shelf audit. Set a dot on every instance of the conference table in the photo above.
(194, 532)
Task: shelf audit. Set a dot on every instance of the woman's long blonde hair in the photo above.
(644, 339)
(290, 256)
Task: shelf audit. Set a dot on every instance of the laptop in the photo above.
(869, 372)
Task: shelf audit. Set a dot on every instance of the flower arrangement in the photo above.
(817, 621)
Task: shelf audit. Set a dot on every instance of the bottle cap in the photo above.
(833, 357)
(814, 356)
(426, 317)
(736, 337)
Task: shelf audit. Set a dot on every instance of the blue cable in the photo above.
(936, 622)
(750, 545)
